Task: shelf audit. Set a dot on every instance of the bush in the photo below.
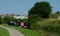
(1, 20)
(46, 25)
(52, 25)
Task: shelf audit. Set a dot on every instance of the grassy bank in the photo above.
(27, 32)
(49, 26)
(3, 32)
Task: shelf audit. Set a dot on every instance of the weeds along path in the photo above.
(12, 31)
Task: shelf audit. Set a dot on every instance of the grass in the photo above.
(3, 32)
(52, 25)
(27, 32)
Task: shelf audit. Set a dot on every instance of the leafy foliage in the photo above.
(5, 19)
(38, 11)
(1, 20)
(53, 15)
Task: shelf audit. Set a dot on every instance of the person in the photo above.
(25, 24)
(8, 22)
(0, 23)
(22, 24)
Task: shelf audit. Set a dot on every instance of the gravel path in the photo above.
(13, 32)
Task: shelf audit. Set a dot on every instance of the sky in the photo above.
(23, 6)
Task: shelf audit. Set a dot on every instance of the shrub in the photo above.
(50, 25)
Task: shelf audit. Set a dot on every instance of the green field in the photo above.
(27, 32)
(41, 28)
(3, 32)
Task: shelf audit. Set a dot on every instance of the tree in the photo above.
(53, 15)
(39, 10)
(1, 20)
(58, 12)
(6, 18)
